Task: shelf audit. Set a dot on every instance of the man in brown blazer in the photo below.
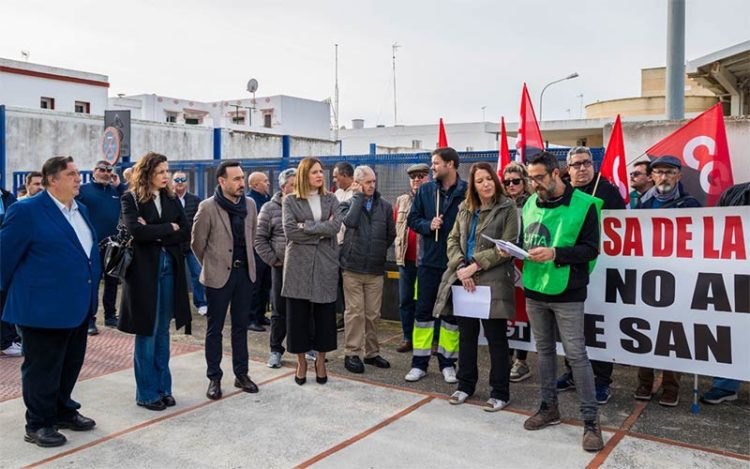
(223, 236)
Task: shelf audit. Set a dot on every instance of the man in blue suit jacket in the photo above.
(50, 268)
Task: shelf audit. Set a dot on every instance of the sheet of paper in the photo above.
(509, 247)
(471, 305)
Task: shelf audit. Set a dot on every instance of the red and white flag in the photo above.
(529, 141)
(503, 157)
(701, 145)
(442, 138)
(613, 165)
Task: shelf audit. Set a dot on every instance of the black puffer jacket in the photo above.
(368, 234)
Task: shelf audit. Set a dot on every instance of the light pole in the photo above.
(541, 97)
(483, 115)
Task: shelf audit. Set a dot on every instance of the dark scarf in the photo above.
(237, 213)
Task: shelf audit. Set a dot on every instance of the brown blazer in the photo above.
(212, 242)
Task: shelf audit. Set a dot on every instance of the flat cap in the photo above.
(418, 168)
(666, 160)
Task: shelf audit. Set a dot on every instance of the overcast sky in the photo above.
(457, 55)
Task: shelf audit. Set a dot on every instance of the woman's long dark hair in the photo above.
(143, 171)
(472, 196)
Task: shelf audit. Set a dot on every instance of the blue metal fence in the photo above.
(390, 168)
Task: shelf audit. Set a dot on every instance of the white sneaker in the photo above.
(458, 397)
(449, 374)
(493, 405)
(203, 310)
(415, 374)
(14, 350)
(274, 361)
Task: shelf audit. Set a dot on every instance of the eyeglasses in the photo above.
(538, 179)
(512, 182)
(179, 180)
(107, 169)
(664, 172)
(417, 176)
(635, 174)
(581, 164)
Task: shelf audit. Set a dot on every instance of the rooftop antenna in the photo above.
(394, 47)
(252, 87)
(580, 113)
(25, 54)
(336, 98)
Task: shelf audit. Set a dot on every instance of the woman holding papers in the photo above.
(474, 263)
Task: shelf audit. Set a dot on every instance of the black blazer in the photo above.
(191, 208)
(139, 292)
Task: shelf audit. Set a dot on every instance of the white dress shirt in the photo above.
(76, 220)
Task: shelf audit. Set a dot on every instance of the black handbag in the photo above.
(118, 251)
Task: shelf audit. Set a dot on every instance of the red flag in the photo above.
(442, 139)
(529, 141)
(503, 158)
(613, 164)
(701, 145)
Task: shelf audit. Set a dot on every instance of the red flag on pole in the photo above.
(529, 141)
(503, 158)
(442, 138)
(613, 164)
(701, 145)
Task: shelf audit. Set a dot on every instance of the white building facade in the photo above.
(276, 115)
(35, 86)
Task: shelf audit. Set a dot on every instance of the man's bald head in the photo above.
(259, 182)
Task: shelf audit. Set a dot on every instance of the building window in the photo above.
(47, 103)
(416, 144)
(82, 107)
(171, 118)
(238, 119)
(267, 120)
(192, 121)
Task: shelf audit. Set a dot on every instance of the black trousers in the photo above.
(109, 294)
(237, 292)
(52, 361)
(468, 374)
(602, 371)
(260, 290)
(8, 333)
(278, 311)
(302, 316)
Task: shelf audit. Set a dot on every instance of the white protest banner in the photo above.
(671, 290)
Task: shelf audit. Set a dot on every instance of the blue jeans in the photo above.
(569, 319)
(407, 276)
(199, 291)
(152, 377)
(726, 384)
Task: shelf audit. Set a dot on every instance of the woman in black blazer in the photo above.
(155, 287)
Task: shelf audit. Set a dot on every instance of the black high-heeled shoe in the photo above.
(301, 380)
(320, 379)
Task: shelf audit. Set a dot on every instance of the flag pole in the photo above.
(437, 210)
(598, 177)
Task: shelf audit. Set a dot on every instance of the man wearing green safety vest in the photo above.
(432, 215)
(561, 233)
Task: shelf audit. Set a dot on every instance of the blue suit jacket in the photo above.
(49, 280)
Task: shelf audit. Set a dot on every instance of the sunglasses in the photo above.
(512, 182)
(107, 169)
(417, 176)
(580, 164)
(179, 180)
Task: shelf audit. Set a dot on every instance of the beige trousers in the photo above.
(364, 297)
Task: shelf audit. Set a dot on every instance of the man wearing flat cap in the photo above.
(667, 192)
(406, 253)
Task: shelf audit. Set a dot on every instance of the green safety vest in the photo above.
(553, 227)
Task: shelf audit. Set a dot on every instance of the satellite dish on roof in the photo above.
(252, 85)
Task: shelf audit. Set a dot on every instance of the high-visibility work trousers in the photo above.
(424, 325)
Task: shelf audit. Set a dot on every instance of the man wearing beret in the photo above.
(666, 171)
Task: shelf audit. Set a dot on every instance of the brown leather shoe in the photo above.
(405, 346)
(592, 436)
(214, 389)
(643, 393)
(670, 397)
(548, 414)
